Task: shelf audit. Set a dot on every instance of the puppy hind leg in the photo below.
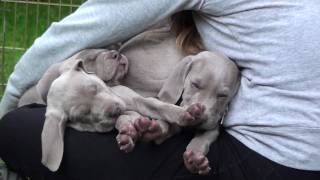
(150, 130)
(128, 134)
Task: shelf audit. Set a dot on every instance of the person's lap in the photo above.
(97, 156)
(87, 155)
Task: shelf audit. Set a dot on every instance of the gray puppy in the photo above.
(81, 100)
(110, 66)
(208, 78)
(212, 80)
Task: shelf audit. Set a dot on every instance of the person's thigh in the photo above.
(232, 160)
(86, 155)
(20, 140)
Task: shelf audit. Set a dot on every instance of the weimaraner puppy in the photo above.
(208, 78)
(80, 99)
(108, 65)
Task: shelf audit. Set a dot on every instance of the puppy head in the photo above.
(207, 78)
(108, 65)
(75, 96)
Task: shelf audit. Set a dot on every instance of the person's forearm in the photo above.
(96, 23)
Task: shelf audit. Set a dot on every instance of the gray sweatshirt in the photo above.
(275, 43)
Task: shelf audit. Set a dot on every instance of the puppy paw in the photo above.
(193, 115)
(148, 130)
(127, 137)
(196, 162)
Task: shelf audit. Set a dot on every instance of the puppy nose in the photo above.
(122, 61)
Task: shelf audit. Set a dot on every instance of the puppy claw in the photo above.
(125, 143)
(205, 172)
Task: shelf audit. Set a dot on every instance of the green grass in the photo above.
(21, 24)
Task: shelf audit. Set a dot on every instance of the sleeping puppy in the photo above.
(210, 79)
(81, 100)
(109, 65)
(159, 69)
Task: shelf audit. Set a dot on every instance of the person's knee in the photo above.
(4, 129)
(4, 133)
(20, 127)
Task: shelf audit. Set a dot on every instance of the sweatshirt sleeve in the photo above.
(95, 23)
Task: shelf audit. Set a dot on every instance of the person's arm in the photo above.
(96, 23)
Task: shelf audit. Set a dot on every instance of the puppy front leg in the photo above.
(171, 113)
(194, 157)
(156, 109)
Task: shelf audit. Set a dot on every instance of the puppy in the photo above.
(208, 78)
(110, 66)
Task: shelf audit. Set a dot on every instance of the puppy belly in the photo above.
(101, 126)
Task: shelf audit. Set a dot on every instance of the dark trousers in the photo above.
(94, 156)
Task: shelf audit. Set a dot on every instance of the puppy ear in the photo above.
(52, 139)
(173, 86)
(79, 66)
(45, 82)
(89, 54)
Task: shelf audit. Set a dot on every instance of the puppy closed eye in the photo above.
(222, 95)
(223, 92)
(196, 85)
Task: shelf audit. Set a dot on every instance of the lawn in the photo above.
(23, 21)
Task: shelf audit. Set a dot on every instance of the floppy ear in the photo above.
(173, 86)
(79, 66)
(89, 54)
(52, 140)
(45, 82)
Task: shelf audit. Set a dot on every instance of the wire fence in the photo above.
(21, 22)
